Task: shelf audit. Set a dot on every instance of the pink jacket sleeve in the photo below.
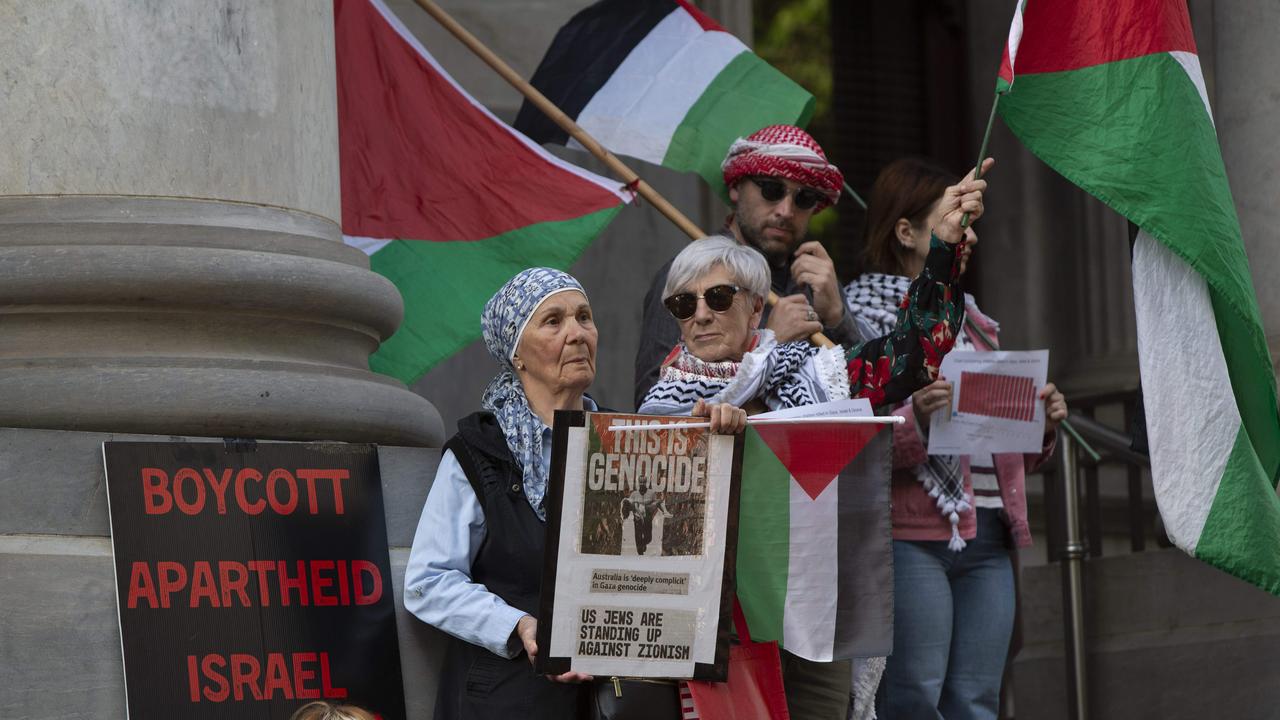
(1034, 461)
(909, 449)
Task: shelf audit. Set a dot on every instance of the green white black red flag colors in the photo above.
(661, 81)
(815, 560)
(1109, 93)
(447, 201)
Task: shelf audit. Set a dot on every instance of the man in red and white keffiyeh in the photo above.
(784, 151)
(756, 167)
(778, 178)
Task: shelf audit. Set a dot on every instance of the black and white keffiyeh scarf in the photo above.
(874, 300)
(782, 375)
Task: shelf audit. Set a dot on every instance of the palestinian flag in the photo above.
(447, 201)
(1109, 93)
(815, 560)
(661, 81)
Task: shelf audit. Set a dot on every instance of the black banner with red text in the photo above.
(252, 579)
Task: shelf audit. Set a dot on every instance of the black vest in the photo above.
(475, 684)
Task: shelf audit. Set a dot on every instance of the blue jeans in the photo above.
(953, 617)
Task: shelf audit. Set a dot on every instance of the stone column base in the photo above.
(192, 317)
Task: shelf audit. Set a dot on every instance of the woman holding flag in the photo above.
(953, 579)
(716, 289)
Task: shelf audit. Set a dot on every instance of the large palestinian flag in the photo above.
(448, 201)
(661, 81)
(815, 559)
(1109, 93)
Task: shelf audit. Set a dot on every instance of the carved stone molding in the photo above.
(194, 317)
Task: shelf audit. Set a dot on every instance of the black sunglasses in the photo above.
(774, 190)
(719, 298)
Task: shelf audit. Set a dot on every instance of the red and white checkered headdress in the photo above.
(784, 151)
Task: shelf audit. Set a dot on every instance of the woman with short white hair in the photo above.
(716, 290)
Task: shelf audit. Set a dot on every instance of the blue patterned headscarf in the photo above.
(502, 323)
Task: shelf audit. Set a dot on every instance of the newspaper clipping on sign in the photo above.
(639, 526)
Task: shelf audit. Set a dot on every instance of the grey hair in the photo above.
(322, 710)
(746, 265)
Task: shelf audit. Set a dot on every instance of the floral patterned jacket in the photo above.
(887, 369)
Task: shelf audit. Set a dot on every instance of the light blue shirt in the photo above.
(437, 585)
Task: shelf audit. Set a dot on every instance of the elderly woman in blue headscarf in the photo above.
(476, 565)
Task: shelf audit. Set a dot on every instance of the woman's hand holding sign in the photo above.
(527, 631)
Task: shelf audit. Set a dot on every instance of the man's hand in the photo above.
(812, 266)
(793, 319)
(929, 399)
(963, 197)
(527, 631)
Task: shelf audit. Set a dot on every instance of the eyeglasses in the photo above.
(774, 190)
(719, 298)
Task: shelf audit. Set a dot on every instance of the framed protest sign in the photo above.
(642, 527)
(251, 579)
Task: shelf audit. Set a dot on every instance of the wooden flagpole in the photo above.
(566, 123)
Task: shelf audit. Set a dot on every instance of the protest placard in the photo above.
(641, 530)
(251, 579)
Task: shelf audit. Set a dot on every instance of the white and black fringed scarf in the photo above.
(874, 299)
(782, 375)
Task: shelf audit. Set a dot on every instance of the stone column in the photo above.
(170, 255)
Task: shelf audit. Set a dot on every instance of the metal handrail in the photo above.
(1073, 553)
(1109, 445)
(1117, 445)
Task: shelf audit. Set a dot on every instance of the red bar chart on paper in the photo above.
(995, 404)
(1004, 396)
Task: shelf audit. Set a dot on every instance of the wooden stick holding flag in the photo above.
(633, 181)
